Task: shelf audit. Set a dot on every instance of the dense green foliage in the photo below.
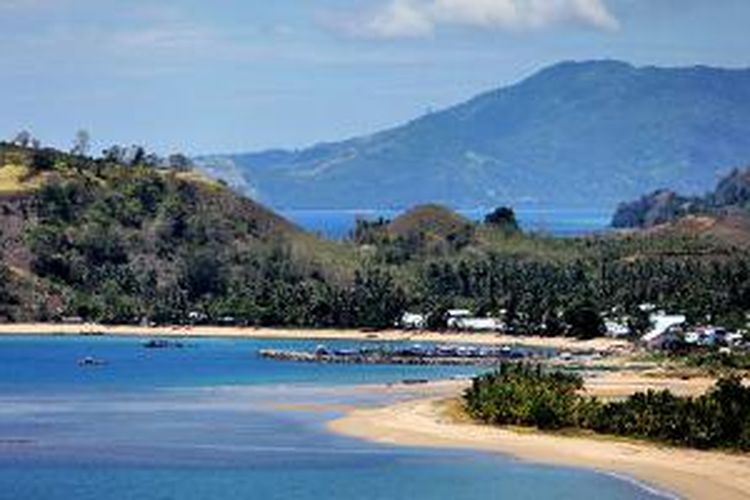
(712, 360)
(519, 394)
(7, 299)
(538, 294)
(125, 243)
(526, 395)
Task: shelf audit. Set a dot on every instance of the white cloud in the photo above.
(418, 18)
(399, 19)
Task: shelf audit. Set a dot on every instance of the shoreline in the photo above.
(423, 418)
(393, 335)
(432, 422)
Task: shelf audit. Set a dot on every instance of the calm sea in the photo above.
(337, 224)
(213, 420)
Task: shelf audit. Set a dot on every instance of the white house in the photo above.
(664, 329)
(616, 329)
(480, 324)
(734, 339)
(461, 319)
(413, 321)
(647, 307)
(453, 316)
(708, 336)
(197, 316)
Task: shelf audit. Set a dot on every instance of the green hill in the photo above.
(123, 243)
(429, 220)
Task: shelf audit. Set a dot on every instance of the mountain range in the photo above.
(576, 134)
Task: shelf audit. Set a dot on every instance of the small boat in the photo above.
(91, 361)
(345, 352)
(161, 344)
(92, 333)
(414, 381)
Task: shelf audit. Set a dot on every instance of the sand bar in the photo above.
(432, 422)
(564, 343)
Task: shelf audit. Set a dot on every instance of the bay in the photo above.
(214, 420)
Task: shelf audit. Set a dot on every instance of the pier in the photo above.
(416, 355)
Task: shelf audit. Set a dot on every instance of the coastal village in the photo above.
(668, 333)
(665, 331)
(375, 250)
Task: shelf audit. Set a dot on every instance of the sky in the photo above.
(242, 75)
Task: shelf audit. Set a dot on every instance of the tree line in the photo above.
(121, 242)
(520, 394)
(44, 158)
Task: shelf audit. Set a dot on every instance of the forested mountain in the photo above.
(574, 134)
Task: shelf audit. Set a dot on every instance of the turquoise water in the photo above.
(213, 420)
(33, 364)
(337, 224)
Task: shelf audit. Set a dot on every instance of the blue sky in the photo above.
(239, 75)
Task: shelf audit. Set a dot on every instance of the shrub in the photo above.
(525, 395)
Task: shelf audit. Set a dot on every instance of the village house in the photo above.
(617, 329)
(413, 321)
(665, 330)
(454, 316)
(711, 336)
(462, 319)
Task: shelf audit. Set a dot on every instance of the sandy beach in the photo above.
(434, 421)
(563, 343)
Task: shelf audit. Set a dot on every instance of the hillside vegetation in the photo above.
(527, 395)
(123, 241)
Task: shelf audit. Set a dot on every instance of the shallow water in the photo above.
(49, 363)
(206, 422)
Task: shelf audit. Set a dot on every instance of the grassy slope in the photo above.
(18, 179)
